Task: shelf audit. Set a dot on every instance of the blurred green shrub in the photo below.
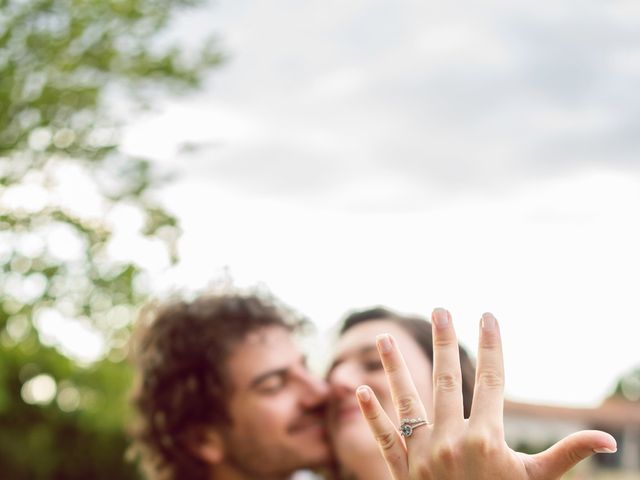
(63, 65)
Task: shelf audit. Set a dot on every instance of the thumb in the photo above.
(568, 452)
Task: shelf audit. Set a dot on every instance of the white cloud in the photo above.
(474, 156)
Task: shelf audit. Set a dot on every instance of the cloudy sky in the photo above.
(421, 154)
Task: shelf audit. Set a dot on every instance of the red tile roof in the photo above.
(614, 412)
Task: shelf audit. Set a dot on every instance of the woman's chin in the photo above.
(353, 438)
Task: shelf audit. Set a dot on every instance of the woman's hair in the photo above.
(420, 331)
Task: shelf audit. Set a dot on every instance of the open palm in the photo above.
(448, 446)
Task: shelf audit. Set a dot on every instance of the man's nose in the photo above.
(316, 389)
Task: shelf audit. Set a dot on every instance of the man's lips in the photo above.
(307, 424)
(346, 411)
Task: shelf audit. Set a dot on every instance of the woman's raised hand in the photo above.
(448, 446)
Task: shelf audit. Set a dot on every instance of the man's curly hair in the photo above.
(180, 351)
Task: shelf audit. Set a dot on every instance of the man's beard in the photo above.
(262, 458)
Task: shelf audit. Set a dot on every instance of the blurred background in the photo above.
(341, 154)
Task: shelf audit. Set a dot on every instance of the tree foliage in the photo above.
(64, 64)
(628, 386)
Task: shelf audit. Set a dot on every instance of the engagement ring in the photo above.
(408, 424)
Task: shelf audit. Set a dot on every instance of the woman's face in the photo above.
(357, 362)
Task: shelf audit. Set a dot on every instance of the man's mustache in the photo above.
(309, 418)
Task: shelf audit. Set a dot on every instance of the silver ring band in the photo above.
(412, 420)
(408, 424)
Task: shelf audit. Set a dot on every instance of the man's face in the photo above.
(276, 409)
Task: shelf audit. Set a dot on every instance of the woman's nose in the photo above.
(344, 378)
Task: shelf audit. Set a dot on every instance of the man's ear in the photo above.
(205, 443)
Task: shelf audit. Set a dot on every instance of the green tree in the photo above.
(61, 63)
(628, 386)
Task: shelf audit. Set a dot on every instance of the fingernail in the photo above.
(488, 322)
(384, 342)
(363, 393)
(605, 450)
(440, 317)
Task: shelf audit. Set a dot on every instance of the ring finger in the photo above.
(409, 407)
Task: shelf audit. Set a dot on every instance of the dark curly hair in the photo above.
(179, 350)
(420, 331)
